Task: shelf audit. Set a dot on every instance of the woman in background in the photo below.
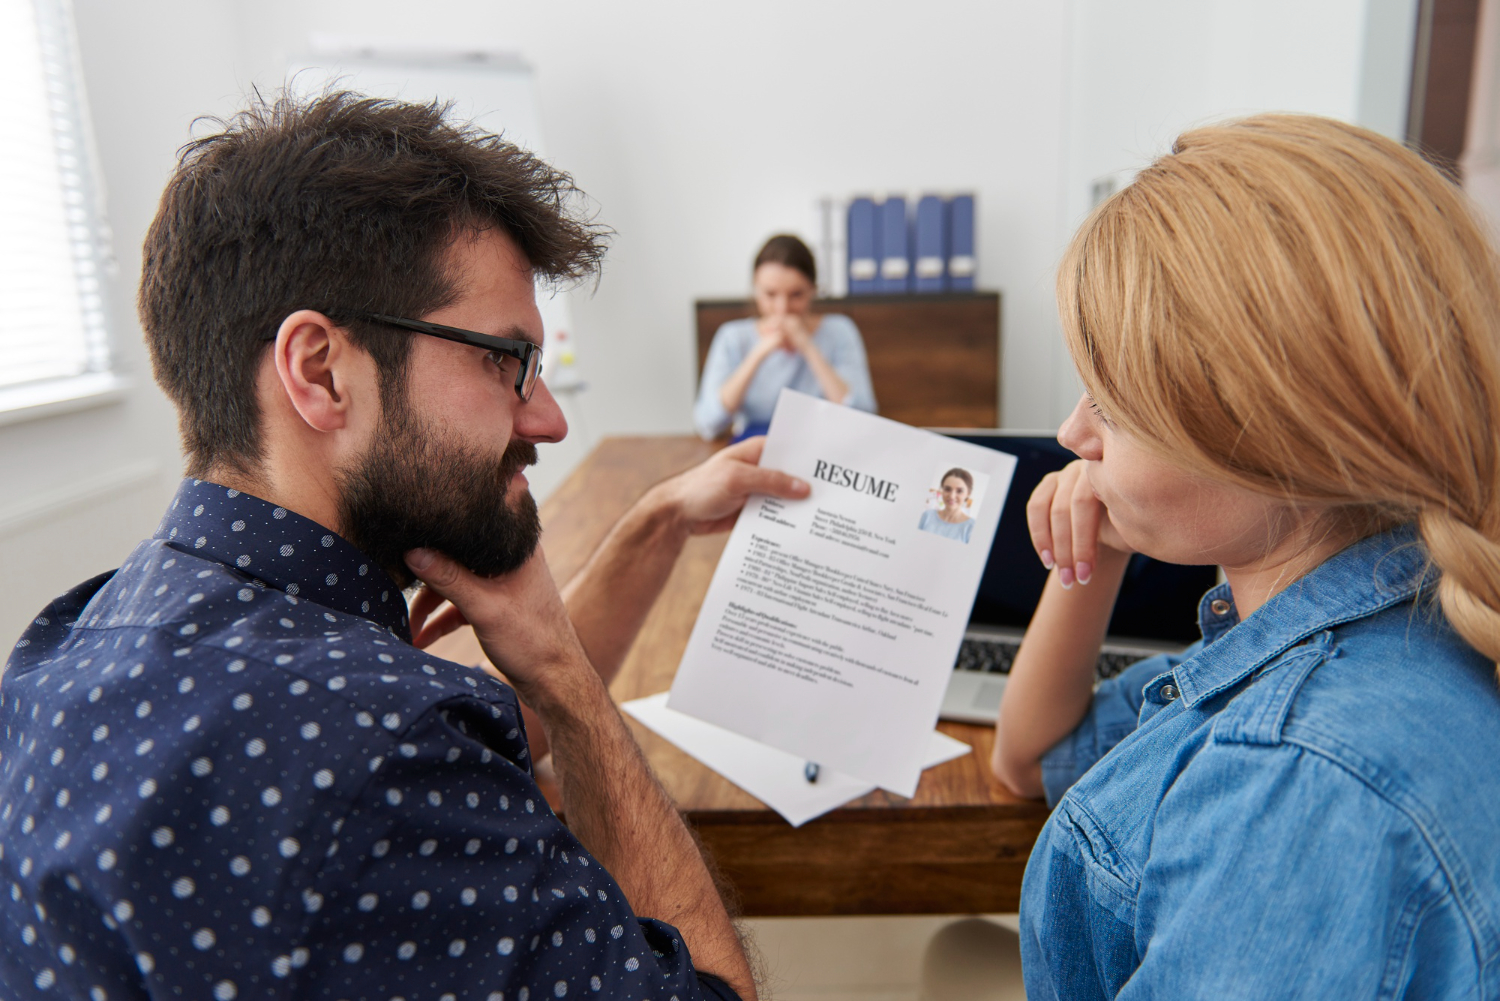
(785, 346)
(1289, 334)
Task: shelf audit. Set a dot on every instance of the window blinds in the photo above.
(52, 246)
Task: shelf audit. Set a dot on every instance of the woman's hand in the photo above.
(1069, 523)
(772, 334)
(796, 333)
(1051, 683)
(788, 331)
(769, 341)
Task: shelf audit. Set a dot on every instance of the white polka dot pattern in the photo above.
(225, 773)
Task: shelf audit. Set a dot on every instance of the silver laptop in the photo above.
(1157, 611)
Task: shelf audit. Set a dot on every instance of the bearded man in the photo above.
(227, 771)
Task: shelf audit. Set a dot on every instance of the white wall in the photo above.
(700, 129)
(77, 492)
(1481, 159)
(1146, 70)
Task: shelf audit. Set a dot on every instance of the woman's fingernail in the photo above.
(1065, 577)
(800, 485)
(419, 559)
(1047, 558)
(1084, 572)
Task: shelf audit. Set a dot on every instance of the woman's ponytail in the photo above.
(1469, 591)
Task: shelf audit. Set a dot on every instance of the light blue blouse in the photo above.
(836, 337)
(933, 522)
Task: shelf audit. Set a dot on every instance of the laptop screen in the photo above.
(1158, 601)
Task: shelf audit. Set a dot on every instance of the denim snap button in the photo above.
(1219, 606)
(1169, 692)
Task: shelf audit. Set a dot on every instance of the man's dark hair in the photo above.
(341, 203)
(790, 252)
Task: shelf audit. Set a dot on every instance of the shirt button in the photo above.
(1168, 692)
(1219, 606)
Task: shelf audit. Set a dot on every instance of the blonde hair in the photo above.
(1307, 309)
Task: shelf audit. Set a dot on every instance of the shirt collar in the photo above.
(1373, 574)
(282, 549)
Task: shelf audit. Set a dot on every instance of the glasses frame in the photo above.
(527, 353)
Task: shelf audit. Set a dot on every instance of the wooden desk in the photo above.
(959, 846)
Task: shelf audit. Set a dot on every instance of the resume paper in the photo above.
(831, 625)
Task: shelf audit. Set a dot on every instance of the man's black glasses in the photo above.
(527, 353)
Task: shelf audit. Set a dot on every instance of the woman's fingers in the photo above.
(1066, 520)
(1087, 514)
(1061, 516)
(1039, 518)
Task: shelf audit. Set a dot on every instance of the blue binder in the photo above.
(895, 247)
(961, 260)
(864, 251)
(931, 255)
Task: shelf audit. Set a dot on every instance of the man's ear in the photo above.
(317, 366)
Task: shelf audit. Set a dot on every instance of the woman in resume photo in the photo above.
(951, 518)
(1288, 331)
(786, 345)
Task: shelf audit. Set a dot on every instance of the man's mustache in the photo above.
(518, 455)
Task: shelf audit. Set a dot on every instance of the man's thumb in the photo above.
(780, 484)
(435, 570)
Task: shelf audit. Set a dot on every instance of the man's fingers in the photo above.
(755, 480)
(438, 626)
(441, 574)
(750, 478)
(745, 451)
(426, 602)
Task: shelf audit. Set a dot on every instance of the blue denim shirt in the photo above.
(1306, 805)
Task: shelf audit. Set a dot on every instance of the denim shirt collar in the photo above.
(283, 550)
(1368, 576)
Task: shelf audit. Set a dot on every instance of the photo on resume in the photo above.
(953, 502)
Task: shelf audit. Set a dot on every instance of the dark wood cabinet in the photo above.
(934, 359)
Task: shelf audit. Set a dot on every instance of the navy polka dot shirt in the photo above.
(225, 773)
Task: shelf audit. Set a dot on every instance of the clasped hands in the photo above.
(787, 332)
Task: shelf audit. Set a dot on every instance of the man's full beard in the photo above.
(418, 488)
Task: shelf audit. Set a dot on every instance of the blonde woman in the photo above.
(1289, 331)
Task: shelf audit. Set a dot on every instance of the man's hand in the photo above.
(613, 803)
(519, 617)
(708, 497)
(1069, 523)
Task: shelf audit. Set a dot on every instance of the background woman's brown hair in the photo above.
(788, 251)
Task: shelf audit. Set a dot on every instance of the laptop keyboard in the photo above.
(996, 657)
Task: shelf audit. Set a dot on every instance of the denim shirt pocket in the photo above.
(1113, 882)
